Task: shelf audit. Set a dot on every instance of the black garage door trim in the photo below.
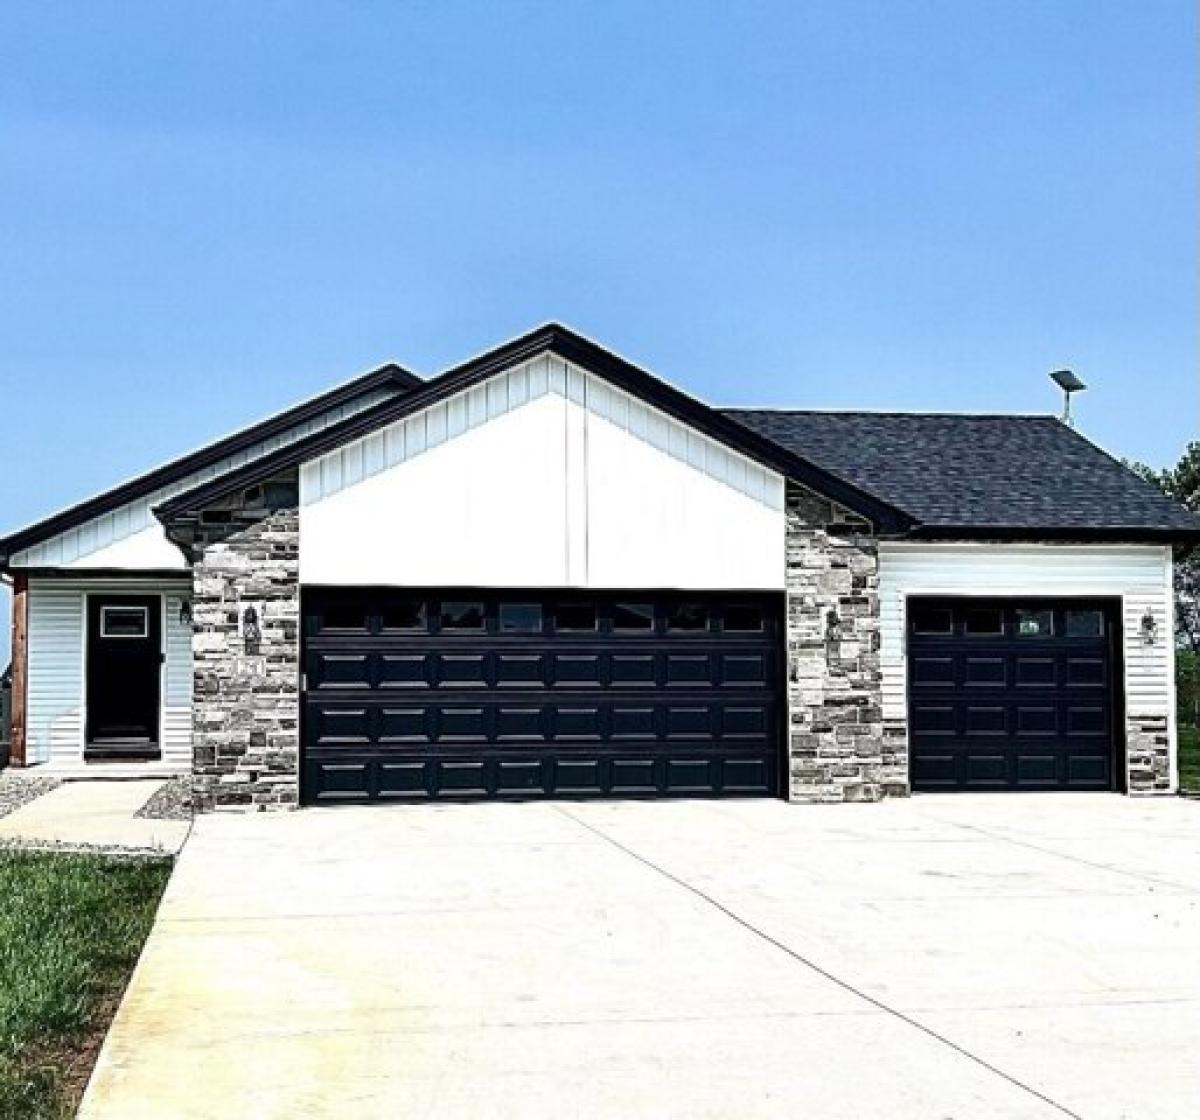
(1015, 693)
(467, 693)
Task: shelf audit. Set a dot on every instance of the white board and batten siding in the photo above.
(130, 536)
(56, 710)
(545, 475)
(1139, 575)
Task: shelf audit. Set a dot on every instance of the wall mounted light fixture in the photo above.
(833, 626)
(185, 612)
(1149, 627)
(251, 631)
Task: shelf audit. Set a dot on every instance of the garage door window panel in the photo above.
(1085, 624)
(404, 615)
(1033, 624)
(575, 617)
(633, 618)
(984, 622)
(520, 618)
(687, 617)
(742, 619)
(458, 615)
(932, 620)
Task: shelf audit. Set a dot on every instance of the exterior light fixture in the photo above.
(1149, 627)
(251, 631)
(1068, 383)
(833, 626)
(185, 612)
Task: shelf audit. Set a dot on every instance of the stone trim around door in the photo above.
(840, 748)
(246, 649)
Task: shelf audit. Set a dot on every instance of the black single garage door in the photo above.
(451, 693)
(1013, 694)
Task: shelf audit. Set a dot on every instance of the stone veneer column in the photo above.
(1148, 752)
(839, 747)
(246, 707)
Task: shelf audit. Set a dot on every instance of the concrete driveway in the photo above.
(957, 956)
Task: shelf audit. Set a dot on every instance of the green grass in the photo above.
(1189, 759)
(71, 929)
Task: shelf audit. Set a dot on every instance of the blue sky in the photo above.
(208, 211)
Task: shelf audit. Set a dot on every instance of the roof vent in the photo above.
(1068, 383)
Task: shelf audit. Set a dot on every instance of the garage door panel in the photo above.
(1093, 770)
(932, 671)
(985, 672)
(404, 725)
(400, 779)
(579, 669)
(514, 670)
(1012, 694)
(460, 670)
(465, 777)
(744, 669)
(1037, 720)
(983, 770)
(633, 670)
(746, 775)
(401, 670)
(1087, 672)
(344, 725)
(1036, 672)
(525, 695)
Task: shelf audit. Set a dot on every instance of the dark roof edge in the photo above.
(1113, 534)
(583, 352)
(390, 374)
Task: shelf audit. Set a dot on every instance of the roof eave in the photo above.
(139, 487)
(1115, 534)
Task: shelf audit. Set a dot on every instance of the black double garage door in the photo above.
(451, 693)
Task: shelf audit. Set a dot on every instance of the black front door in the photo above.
(123, 668)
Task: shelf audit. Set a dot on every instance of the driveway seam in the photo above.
(845, 985)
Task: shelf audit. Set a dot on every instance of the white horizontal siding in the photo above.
(177, 682)
(131, 536)
(1140, 575)
(57, 697)
(544, 475)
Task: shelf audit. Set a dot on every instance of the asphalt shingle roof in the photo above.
(975, 471)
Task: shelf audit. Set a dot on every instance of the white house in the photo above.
(545, 572)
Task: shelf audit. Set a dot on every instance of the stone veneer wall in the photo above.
(246, 715)
(839, 746)
(1148, 753)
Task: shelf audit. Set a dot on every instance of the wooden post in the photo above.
(20, 667)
